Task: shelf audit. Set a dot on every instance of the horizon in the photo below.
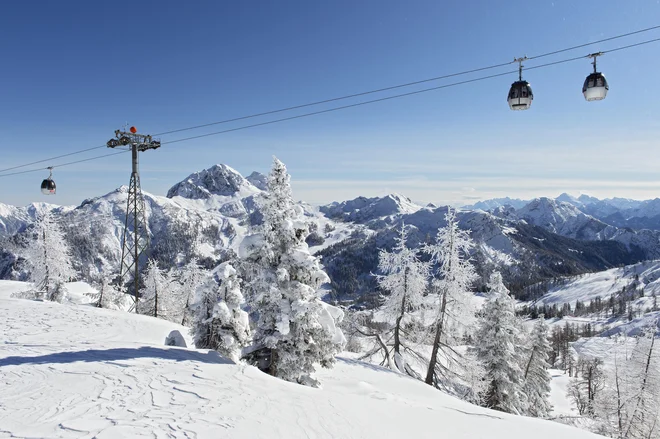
(74, 82)
(440, 203)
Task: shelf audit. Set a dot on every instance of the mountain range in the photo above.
(207, 214)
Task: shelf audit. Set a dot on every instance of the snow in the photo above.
(76, 371)
(561, 405)
(604, 283)
(561, 218)
(363, 210)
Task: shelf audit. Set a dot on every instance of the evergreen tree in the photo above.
(497, 337)
(204, 329)
(230, 321)
(537, 378)
(405, 278)
(453, 301)
(294, 324)
(49, 258)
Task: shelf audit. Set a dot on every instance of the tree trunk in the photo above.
(46, 263)
(529, 363)
(397, 326)
(619, 405)
(430, 373)
(436, 342)
(643, 388)
(185, 310)
(100, 302)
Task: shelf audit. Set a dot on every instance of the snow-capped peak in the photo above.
(362, 209)
(567, 198)
(217, 180)
(259, 180)
(560, 217)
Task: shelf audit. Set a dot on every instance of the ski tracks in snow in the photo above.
(110, 400)
(71, 371)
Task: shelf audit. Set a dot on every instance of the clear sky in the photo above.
(74, 71)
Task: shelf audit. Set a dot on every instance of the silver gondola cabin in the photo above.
(520, 94)
(595, 86)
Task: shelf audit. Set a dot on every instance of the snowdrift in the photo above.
(76, 371)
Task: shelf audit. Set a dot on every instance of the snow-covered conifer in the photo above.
(230, 321)
(536, 376)
(406, 279)
(294, 324)
(453, 300)
(49, 258)
(496, 341)
(203, 331)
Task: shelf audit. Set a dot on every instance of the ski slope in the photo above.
(74, 371)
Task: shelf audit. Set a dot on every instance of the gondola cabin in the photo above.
(595, 87)
(520, 95)
(48, 186)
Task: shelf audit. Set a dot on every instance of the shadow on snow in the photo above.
(117, 354)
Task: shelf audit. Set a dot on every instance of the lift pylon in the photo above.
(135, 241)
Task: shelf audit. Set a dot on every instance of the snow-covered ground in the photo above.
(76, 371)
(561, 405)
(604, 283)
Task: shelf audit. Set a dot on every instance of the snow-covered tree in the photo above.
(230, 321)
(218, 322)
(157, 297)
(203, 331)
(190, 277)
(453, 301)
(108, 295)
(585, 387)
(537, 378)
(496, 341)
(294, 324)
(49, 258)
(642, 402)
(406, 279)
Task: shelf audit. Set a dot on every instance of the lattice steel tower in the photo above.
(133, 249)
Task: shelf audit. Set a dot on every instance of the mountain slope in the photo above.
(362, 210)
(77, 371)
(562, 218)
(587, 287)
(13, 219)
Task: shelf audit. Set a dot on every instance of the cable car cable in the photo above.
(466, 72)
(341, 107)
(595, 42)
(52, 158)
(66, 164)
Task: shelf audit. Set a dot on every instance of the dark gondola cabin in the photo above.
(48, 185)
(520, 95)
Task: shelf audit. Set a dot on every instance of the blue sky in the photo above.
(75, 71)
